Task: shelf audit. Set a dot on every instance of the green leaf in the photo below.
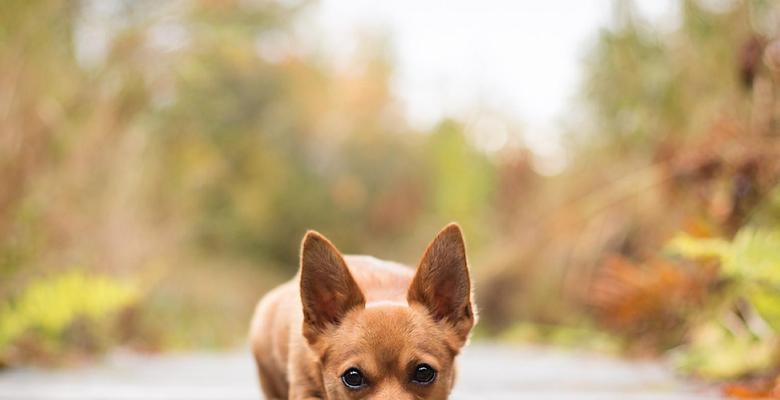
(699, 248)
(714, 352)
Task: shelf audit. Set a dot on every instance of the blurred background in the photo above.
(614, 164)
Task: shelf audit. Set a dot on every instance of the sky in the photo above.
(518, 59)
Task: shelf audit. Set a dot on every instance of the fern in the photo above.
(728, 346)
(51, 305)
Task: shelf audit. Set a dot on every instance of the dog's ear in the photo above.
(328, 290)
(442, 283)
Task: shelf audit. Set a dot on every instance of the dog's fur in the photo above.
(385, 319)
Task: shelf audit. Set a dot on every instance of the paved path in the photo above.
(486, 372)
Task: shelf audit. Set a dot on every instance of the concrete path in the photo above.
(486, 372)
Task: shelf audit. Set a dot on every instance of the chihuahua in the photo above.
(355, 327)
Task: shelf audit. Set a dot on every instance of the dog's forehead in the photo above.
(395, 334)
(388, 328)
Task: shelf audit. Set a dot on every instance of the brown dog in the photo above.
(355, 327)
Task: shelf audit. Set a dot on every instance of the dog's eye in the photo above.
(424, 374)
(353, 379)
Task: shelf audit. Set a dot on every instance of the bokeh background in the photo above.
(160, 162)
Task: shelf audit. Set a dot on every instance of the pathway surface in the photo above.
(486, 372)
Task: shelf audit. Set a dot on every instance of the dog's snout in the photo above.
(393, 391)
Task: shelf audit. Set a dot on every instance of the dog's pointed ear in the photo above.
(442, 283)
(328, 290)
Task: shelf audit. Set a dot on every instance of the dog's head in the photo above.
(387, 350)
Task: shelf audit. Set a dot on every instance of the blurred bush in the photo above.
(39, 319)
(744, 324)
(678, 138)
(191, 144)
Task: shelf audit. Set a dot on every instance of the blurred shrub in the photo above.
(715, 350)
(47, 308)
(581, 337)
(750, 262)
(680, 135)
(741, 335)
(650, 302)
(196, 141)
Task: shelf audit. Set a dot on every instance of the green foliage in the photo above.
(699, 248)
(645, 84)
(751, 261)
(462, 179)
(717, 352)
(725, 345)
(162, 138)
(582, 337)
(255, 152)
(49, 306)
(683, 104)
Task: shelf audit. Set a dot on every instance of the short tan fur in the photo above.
(356, 327)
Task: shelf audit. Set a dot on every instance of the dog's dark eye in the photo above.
(353, 379)
(424, 374)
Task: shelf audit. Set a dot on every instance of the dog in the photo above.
(356, 327)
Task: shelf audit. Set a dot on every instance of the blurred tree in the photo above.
(189, 145)
(645, 86)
